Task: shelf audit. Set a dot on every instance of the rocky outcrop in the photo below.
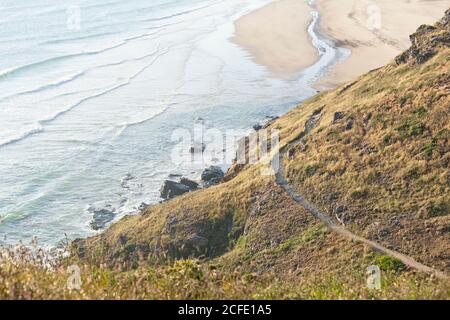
(269, 120)
(445, 21)
(426, 41)
(257, 127)
(101, 216)
(338, 116)
(209, 177)
(212, 175)
(190, 183)
(171, 189)
(353, 183)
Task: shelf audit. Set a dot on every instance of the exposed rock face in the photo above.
(269, 120)
(338, 116)
(349, 125)
(171, 189)
(212, 175)
(257, 127)
(424, 45)
(312, 121)
(446, 19)
(190, 183)
(101, 216)
(268, 217)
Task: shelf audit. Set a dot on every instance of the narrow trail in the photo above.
(282, 181)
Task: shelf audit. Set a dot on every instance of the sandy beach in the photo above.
(276, 36)
(374, 30)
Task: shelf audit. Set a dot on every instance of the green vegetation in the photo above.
(387, 263)
(307, 236)
(411, 128)
(383, 167)
(191, 279)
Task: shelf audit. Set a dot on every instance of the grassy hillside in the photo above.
(377, 161)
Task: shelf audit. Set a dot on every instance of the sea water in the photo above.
(91, 91)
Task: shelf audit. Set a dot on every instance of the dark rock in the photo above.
(265, 124)
(171, 189)
(349, 125)
(101, 216)
(445, 21)
(312, 121)
(422, 56)
(190, 183)
(338, 116)
(212, 175)
(257, 127)
(425, 42)
(212, 182)
(291, 153)
(271, 119)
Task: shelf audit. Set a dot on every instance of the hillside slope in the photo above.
(377, 161)
(372, 155)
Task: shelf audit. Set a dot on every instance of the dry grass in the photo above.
(189, 279)
(389, 171)
(385, 163)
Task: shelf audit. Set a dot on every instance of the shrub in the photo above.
(359, 194)
(405, 98)
(387, 139)
(411, 128)
(429, 147)
(387, 263)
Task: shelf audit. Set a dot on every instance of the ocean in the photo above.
(91, 92)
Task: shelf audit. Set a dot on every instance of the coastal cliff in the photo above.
(379, 153)
(371, 156)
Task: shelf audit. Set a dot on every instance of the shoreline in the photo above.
(374, 32)
(285, 54)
